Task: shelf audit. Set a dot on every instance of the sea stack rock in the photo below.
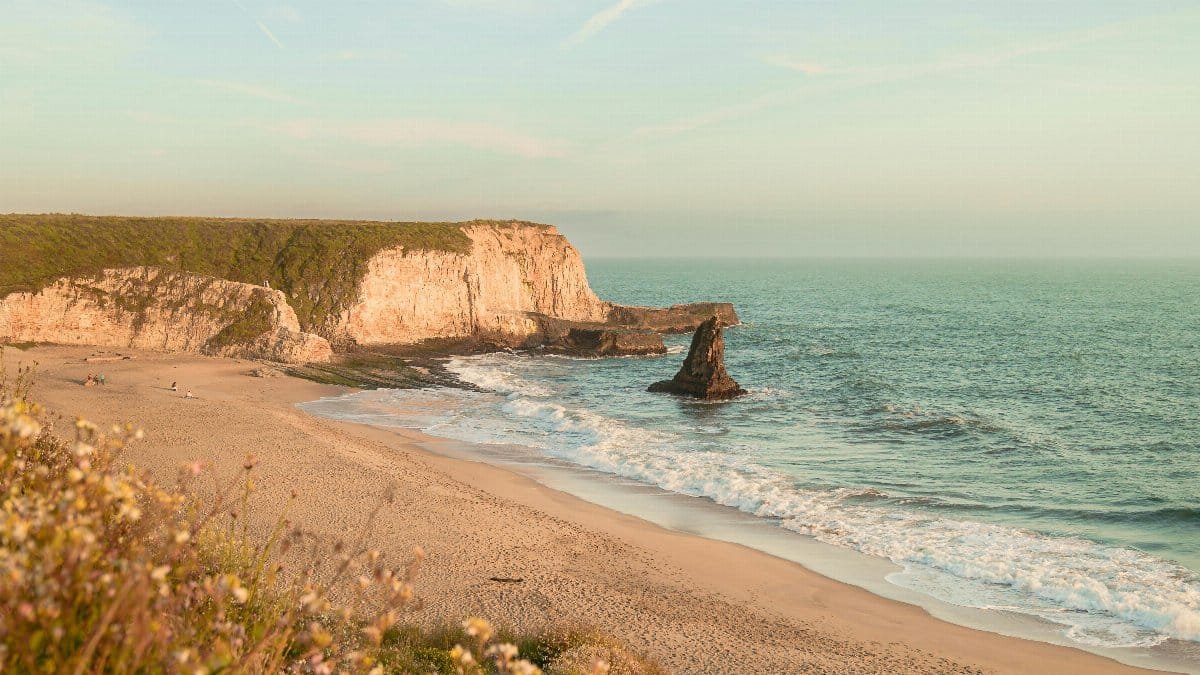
(703, 373)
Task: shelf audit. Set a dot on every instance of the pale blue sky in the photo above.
(638, 126)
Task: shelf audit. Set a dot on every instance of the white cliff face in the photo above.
(511, 271)
(147, 308)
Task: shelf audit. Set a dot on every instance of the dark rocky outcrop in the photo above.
(703, 373)
(673, 319)
(578, 338)
(609, 342)
(627, 331)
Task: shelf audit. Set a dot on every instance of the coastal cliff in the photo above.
(511, 274)
(298, 291)
(147, 308)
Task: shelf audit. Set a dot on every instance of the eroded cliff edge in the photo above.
(299, 291)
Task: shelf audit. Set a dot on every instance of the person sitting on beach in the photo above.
(188, 394)
(174, 386)
(90, 381)
(100, 379)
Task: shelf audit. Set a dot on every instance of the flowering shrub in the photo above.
(103, 570)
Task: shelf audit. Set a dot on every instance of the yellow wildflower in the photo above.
(480, 629)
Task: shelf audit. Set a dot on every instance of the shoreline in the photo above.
(701, 517)
(704, 518)
(664, 593)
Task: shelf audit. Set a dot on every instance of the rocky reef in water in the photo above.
(703, 374)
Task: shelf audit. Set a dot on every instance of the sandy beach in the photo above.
(691, 604)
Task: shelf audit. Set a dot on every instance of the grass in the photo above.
(317, 263)
(252, 323)
(103, 570)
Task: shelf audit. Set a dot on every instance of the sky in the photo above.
(639, 127)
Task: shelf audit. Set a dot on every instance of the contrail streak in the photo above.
(261, 26)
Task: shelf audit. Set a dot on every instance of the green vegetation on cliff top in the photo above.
(317, 263)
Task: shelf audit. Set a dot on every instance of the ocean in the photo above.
(1018, 436)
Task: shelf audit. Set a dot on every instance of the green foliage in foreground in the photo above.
(318, 263)
(102, 570)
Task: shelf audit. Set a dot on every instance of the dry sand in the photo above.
(692, 604)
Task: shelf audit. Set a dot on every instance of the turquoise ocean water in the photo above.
(1015, 435)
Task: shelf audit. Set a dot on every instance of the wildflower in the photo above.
(386, 620)
(313, 603)
(160, 572)
(478, 628)
(130, 512)
(23, 426)
(240, 595)
(462, 657)
(506, 651)
(182, 536)
(524, 667)
(319, 636)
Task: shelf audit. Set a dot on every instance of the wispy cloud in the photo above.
(257, 91)
(420, 131)
(261, 26)
(271, 36)
(602, 19)
(362, 55)
(806, 67)
(977, 59)
(66, 33)
(511, 6)
(286, 13)
(364, 166)
(832, 78)
(711, 117)
(146, 117)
